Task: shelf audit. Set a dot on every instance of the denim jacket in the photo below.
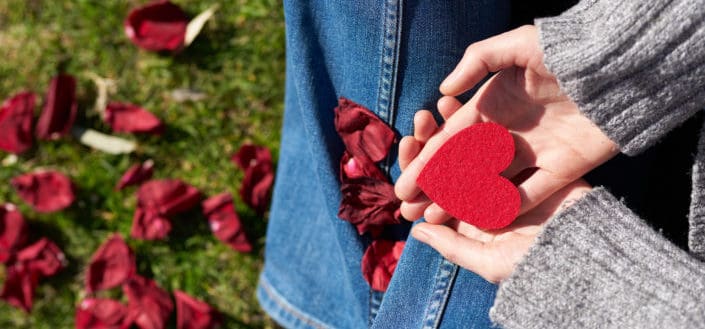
(389, 56)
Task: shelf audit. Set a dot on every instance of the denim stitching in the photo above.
(444, 279)
(375, 302)
(286, 309)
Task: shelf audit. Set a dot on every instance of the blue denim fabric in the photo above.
(390, 56)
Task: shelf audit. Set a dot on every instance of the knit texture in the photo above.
(635, 68)
(696, 218)
(597, 265)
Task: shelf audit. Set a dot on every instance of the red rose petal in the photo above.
(111, 265)
(352, 167)
(250, 155)
(99, 313)
(18, 289)
(13, 232)
(42, 257)
(131, 118)
(148, 304)
(136, 174)
(194, 314)
(363, 133)
(46, 191)
(157, 26)
(380, 261)
(16, 122)
(167, 197)
(147, 224)
(59, 110)
(368, 203)
(257, 186)
(225, 223)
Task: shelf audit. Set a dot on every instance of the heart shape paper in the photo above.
(463, 177)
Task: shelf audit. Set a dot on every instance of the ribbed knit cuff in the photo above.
(597, 265)
(635, 68)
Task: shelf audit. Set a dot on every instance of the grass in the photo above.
(238, 61)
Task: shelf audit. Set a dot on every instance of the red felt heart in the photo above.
(463, 177)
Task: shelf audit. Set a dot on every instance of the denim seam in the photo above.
(444, 279)
(288, 308)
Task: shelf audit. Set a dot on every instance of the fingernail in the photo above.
(452, 76)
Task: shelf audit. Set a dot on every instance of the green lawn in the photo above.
(238, 61)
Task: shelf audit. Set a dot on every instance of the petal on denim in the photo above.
(101, 313)
(225, 223)
(137, 174)
(158, 26)
(45, 191)
(363, 133)
(148, 304)
(111, 265)
(43, 257)
(18, 289)
(379, 262)
(250, 155)
(167, 196)
(13, 232)
(369, 202)
(59, 110)
(256, 186)
(148, 224)
(124, 117)
(16, 122)
(194, 314)
(357, 167)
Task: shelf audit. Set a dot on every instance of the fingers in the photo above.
(447, 106)
(511, 48)
(424, 125)
(409, 148)
(458, 249)
(539, 186)
(434, 214)
(414, 209)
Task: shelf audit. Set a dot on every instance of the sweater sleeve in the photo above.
(597, 265)
(635, 68)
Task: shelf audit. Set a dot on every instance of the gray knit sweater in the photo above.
(637, 69)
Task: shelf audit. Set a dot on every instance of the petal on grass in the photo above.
(148, 304)
(194, 314)
(380, 261)
(195, 26)
(45, 191)
(257, 186)
(101, 313)
(17, 122)
(18, 289)
(225, 223)
(158, 26)
(125, 117)
(102, 142)
(147, 224)
(43, 257)
(13, 232)
(167, 196)
(59, 110)
(111, 265)
(136, 174)
(363, 133)
(250, 155)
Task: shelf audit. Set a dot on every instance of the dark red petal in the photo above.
(380, 261)
(352, 168)
(18, 289)
(42, 257)
(99, 313)
(131, 118)
(13, 232)
(157, 26)
(46, 191)
(111, 265)
(363, 133)
(225, 223)
(136, 174)
(369, 202)
(257, 185)
(149, 305)
(59, 110)
(194, 314)
(148, 224)
(250, 155)
(168, 196)
(16, 122)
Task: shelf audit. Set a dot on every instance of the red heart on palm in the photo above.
(463, 177)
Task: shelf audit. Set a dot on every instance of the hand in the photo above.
(553, 140)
